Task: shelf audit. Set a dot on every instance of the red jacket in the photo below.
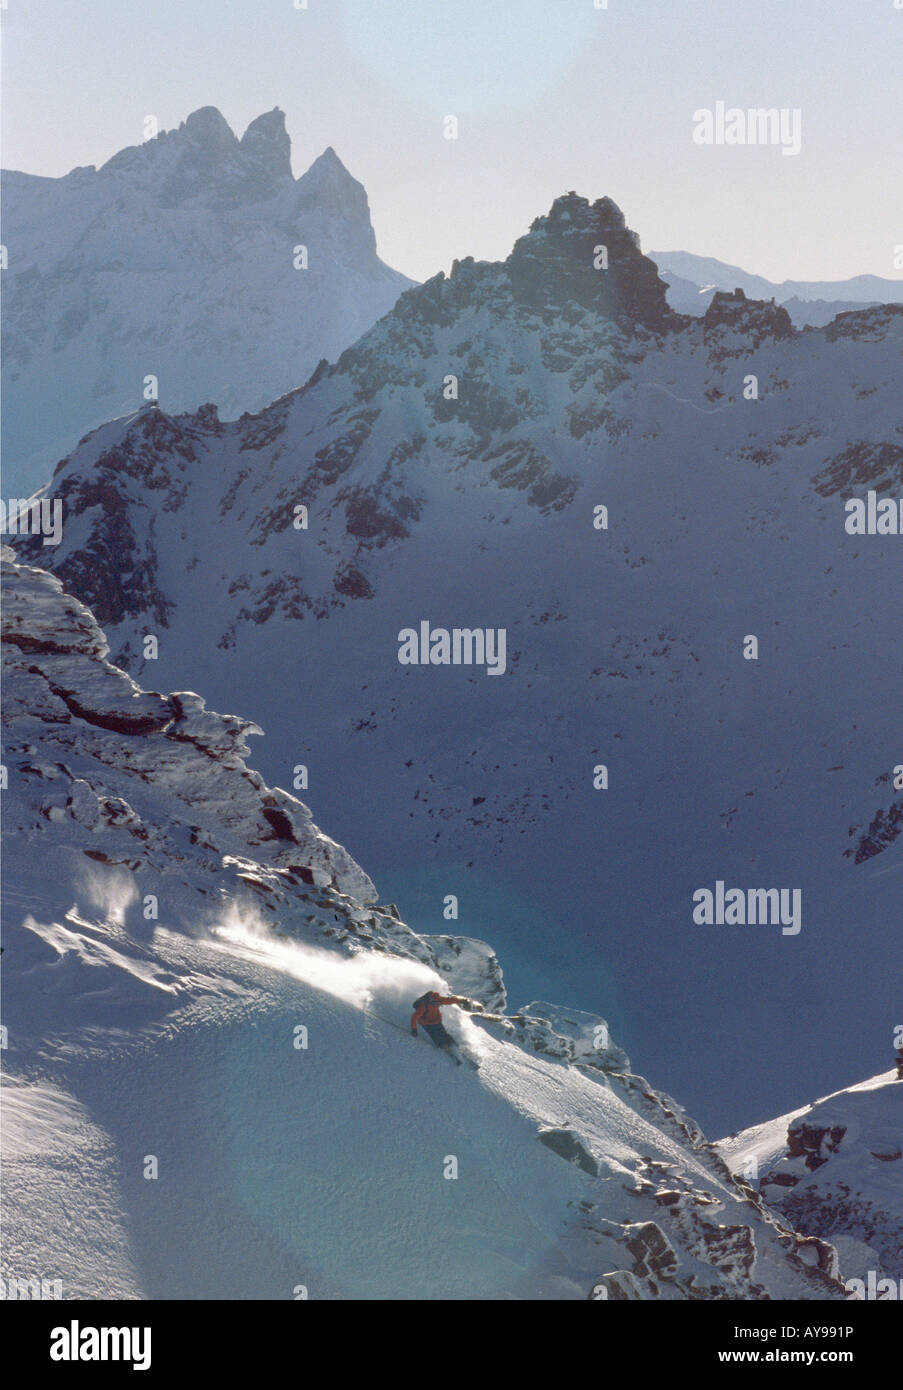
(428, 1014)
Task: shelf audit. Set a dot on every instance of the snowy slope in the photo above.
(836, 1167)
(176, 259)
(693, 280)
(168, 1131)
(576, 388)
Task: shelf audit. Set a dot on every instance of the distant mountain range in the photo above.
(177, 260)
(177, 268)
(692, 281)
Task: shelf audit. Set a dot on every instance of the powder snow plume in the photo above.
(364, 981)
(110, 893)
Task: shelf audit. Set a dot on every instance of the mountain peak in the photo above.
(328, 166)
(266, 141)
(327, 188)
(208, 126)
(204, 161)
(271, 123)
(586, 253)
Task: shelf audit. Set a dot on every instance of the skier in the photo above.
(426, 1014)
(899, 1060)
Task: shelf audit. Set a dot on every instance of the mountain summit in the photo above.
(204, 161)
(193, 267)
(267, 142)
(584, 252)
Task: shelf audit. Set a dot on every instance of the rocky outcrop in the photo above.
(569, 1146)
(474, 967)
(836, 1173)
(734, 326)
(865, 464)
(689, 1251)
(867, 323)
(883, 829)
(579, 1038)
(560, 261)
(813, 1143)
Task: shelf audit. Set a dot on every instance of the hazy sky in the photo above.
(550, 95)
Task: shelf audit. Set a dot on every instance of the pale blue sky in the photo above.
(550, 95)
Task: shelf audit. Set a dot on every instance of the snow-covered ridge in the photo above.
(207, 1068)
(836, 1168)
(100, 735)
(177, 260)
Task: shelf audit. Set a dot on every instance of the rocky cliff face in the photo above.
(584, 254)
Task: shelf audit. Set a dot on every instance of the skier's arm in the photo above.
(415, 1018)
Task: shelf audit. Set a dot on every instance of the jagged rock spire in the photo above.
(560, 259)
